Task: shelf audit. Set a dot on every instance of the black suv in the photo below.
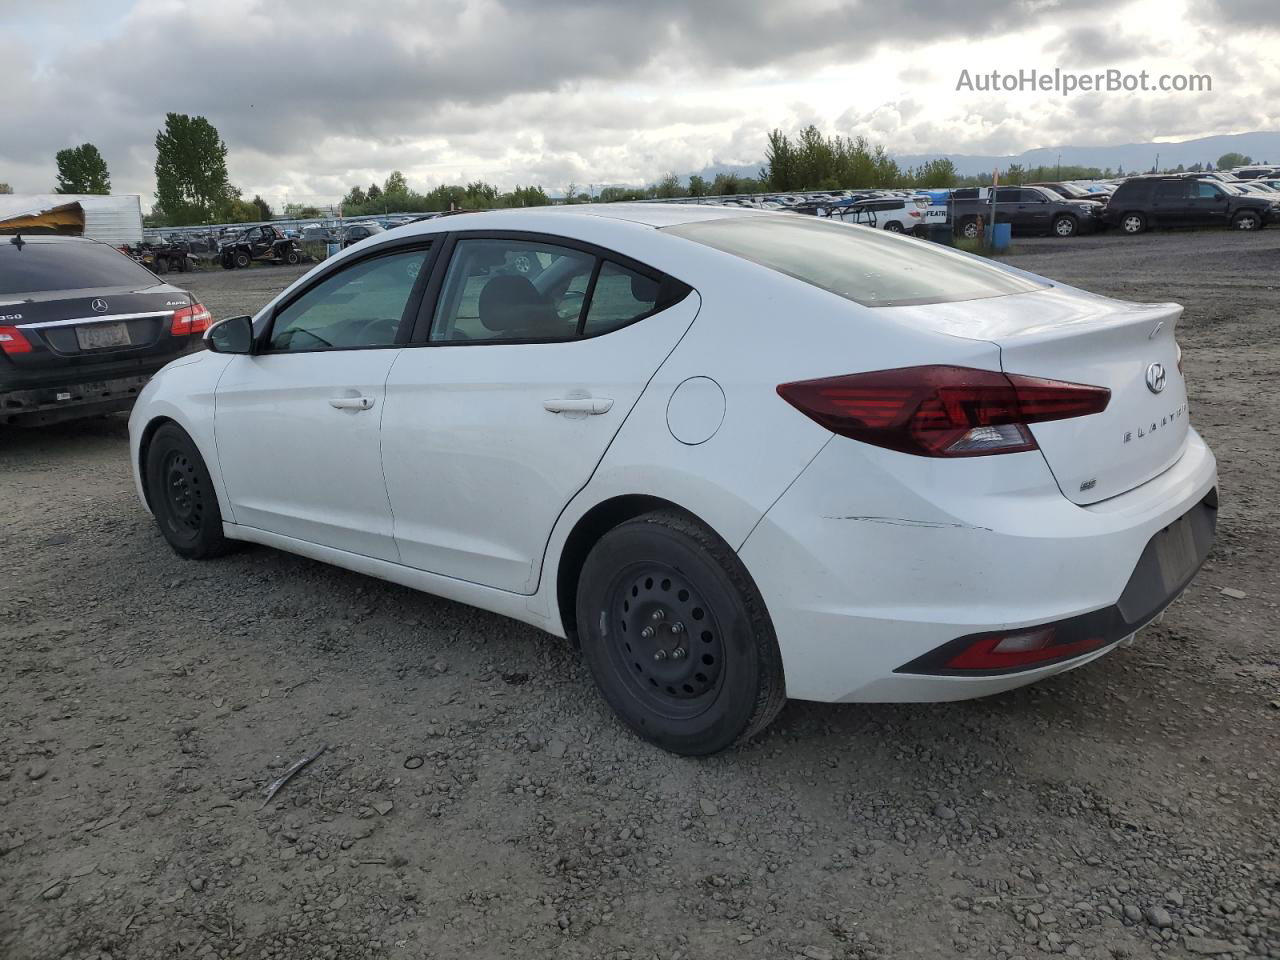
(1025, 209)
(83, 327)
(1186, 201)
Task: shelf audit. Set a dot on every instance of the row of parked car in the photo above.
(1244, 199)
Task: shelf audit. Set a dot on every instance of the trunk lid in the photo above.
(1066, 334)
(85, 327)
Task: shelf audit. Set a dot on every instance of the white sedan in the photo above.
(737, 456)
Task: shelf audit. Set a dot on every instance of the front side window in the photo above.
(360, 306)
(512, 289)
(1207, 190)
(864, 266)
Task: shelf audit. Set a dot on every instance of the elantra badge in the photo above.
(1155, 377)
(98, 306)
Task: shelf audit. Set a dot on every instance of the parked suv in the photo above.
(895, 214)
(83, 327)
(1026, 209)
(1169, 201)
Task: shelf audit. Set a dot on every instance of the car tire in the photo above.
(241, 259)
(181, 495)
(1133, 223)
(292, 258)
(969, 228)
(893, 226)
(1246, 220)
(660, 584)
(227, 263)
(1065, 225)
(162, 266)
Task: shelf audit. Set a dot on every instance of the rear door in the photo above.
(297, 423)
(1171, 202)
(538, 347)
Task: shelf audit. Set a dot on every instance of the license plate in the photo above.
(1176, 553)
(103, 335)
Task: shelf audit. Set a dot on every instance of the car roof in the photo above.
(647, 214)
(47, 238)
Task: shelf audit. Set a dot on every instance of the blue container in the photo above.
(998, 236)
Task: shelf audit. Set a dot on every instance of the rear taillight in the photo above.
(188, 320)
(942, 411)
(12, 340)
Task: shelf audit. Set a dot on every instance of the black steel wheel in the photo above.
(669, 636)
(181, 495)
(676, 635)
(240, 259)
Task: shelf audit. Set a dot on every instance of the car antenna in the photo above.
(17, 241)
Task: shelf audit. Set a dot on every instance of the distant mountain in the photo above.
(1262, 147)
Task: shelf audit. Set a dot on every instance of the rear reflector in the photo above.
(192, 319)
(942, 411)
(1009, 651)
(12, 340)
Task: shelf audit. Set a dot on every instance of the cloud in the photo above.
(314, 97)
(1092, 46)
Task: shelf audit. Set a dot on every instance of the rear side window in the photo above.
(1171, 189)
(620, 296)
(865, 266)
(33, 266)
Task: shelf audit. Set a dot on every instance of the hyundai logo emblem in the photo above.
(1155, 377)
(98, 306)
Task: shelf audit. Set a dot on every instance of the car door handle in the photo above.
(591, 405)
(351, 403)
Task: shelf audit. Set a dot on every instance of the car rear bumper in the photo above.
(37, 406)
(872, 562)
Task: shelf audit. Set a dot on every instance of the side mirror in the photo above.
(233, 335)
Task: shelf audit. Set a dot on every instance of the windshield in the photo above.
(36, 266)
(857, 263)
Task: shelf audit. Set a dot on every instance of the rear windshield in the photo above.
(858, 263)
(33, 267)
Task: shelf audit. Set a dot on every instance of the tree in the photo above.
(374, 191)
(264, 209)
(191, 170)
(355, 197)
(5, 188)
(82, 170)
(697, 186)
(668, 187)
(301, 211)
(396, 184)
(1229, 160)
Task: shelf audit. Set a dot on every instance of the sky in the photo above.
(313, 97)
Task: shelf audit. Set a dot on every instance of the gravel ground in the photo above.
(476, 798)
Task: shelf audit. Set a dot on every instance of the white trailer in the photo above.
(115, 219)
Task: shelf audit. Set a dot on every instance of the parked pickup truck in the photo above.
(1028, 209)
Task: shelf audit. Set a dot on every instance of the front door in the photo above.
(1208, 205)
(297, 423)
(537, 352)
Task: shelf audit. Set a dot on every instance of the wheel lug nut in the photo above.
(647, 633)
(659, 614)
(677, 627)
(678, 653)
(660, 655)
